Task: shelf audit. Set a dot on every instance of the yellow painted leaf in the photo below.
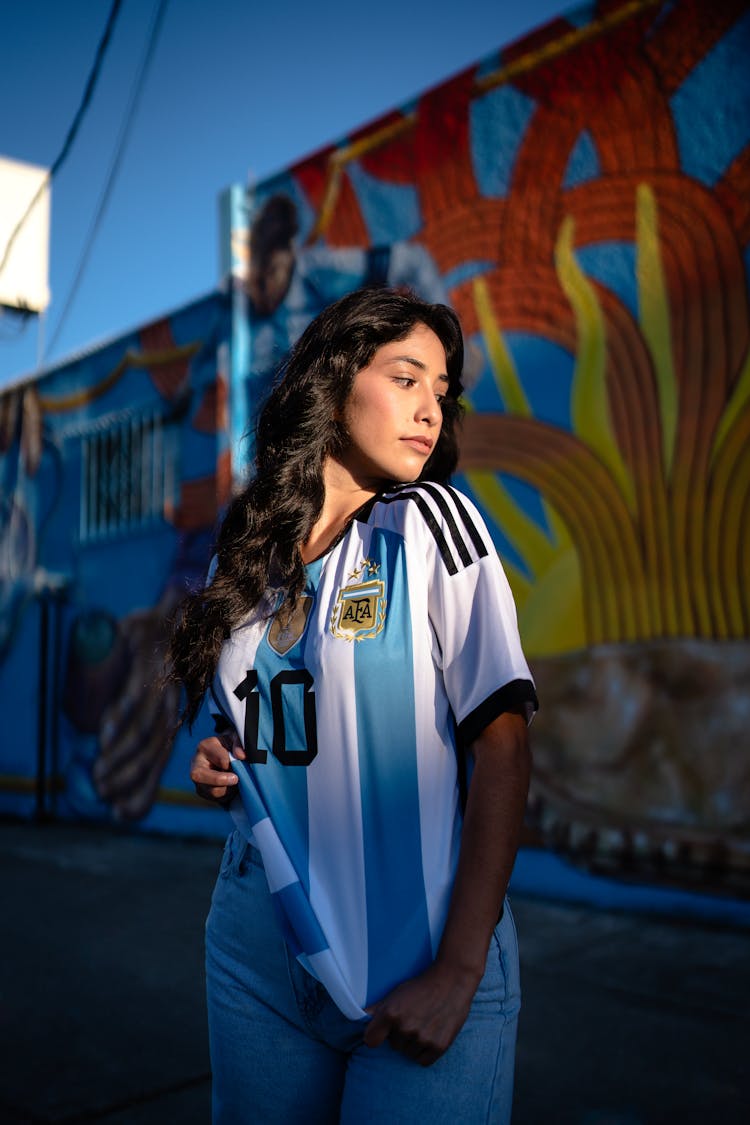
(654, 315)
(501, 361)
(589, 407)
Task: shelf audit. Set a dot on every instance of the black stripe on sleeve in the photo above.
(362, 514)
(457, 534)
(511, 697)
(433, 525)
(444, 506)
(469, 524)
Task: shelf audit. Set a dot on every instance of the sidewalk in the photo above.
(626, 1020)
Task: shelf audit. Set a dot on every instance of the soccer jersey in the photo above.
(404, 646)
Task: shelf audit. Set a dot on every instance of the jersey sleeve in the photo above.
(472, 613)
(222, 722)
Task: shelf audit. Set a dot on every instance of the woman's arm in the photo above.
(422, 1016)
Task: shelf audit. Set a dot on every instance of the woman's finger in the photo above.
(211, 776)
(213, 752)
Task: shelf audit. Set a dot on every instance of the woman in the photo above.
(356, 638)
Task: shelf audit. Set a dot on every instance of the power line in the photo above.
(114, 167)
(72, 131)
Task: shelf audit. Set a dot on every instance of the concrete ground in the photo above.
(626, 1020)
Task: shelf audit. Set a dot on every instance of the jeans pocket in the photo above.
(499, 985)
(505, 941)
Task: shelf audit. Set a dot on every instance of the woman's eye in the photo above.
(405, 381)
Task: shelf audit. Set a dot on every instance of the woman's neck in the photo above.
(343, 497)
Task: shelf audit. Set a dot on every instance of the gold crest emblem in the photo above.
(284, 633)
(359, 610)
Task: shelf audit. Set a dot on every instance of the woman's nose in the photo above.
(429, 408)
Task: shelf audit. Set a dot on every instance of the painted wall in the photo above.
(113, 468)
(583, 200)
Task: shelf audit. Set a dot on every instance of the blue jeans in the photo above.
(282, 1053)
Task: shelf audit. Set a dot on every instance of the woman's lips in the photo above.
(422, 444)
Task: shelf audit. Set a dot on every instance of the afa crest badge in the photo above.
(359, 610)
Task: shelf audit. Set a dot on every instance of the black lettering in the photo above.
(358, 611)
(364, 611)
(292, 757)
(248, 693)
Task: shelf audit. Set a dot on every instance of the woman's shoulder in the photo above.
(441, 515)
(422, 495)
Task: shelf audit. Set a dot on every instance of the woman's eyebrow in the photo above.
(408, 359)
(415, 363)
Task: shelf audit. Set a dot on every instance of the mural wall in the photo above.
(112, 470)
(582, 198)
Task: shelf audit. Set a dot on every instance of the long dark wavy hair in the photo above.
(267, 523)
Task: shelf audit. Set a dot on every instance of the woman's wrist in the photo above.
(465, 967)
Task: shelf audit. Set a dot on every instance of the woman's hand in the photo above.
(211, 770)
(422, 1016)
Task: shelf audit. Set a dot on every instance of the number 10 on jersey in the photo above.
(247, 691)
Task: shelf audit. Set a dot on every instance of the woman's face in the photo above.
(393, 414)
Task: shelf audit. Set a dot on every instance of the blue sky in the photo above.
(235, 89)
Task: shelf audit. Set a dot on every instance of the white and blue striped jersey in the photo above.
(403, 647)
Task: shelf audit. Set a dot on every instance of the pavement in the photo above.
(626, 1019)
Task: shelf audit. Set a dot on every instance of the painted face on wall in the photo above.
(268, 281)
(393, 414)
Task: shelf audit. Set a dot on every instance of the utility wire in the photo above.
(114, 167)
(72, 131)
